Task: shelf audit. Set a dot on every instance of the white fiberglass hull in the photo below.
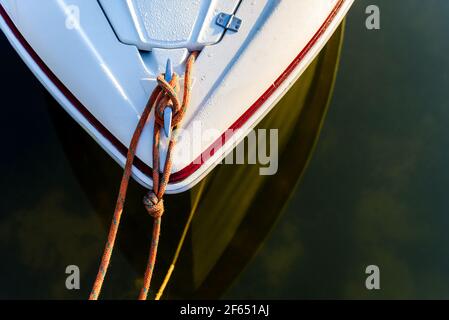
(104, 82)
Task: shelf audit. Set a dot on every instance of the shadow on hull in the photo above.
(238, 206)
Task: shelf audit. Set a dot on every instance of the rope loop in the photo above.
(168, 99)
(154, 205)
(165, 95)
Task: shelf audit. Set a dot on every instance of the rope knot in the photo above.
(165, 94)
(168, 99)
(154, 205)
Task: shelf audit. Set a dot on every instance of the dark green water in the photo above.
(374, 192)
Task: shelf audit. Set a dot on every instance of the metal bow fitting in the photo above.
(168, 111)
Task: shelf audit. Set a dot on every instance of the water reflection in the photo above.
(375, 192)
(60, 194)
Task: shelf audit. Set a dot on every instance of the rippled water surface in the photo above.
(375, 191)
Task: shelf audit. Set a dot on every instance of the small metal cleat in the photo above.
(168, 70)
(168, 112)
(229, 22)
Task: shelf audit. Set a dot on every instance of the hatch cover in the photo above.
(167, 24)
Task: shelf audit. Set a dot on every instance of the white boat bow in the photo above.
(100, 58)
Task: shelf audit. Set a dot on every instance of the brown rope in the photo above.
(165, 94)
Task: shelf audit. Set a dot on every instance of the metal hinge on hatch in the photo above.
(229, 21)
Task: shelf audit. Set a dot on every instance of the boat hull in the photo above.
(104, 85)
(237, 207)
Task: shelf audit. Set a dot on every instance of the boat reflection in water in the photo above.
(237, 207)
